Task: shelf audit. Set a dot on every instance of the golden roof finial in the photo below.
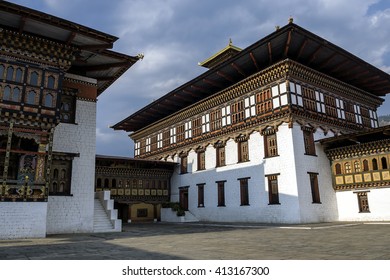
(290, 20)
(277, 27)
(230, 42)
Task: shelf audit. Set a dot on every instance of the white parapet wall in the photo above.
(22, 220)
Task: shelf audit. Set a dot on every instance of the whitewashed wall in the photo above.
(378, 201)
(292, 164)
(71, 214)
(325, 211)
(22, 220)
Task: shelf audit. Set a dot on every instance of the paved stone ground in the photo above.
(161, 241)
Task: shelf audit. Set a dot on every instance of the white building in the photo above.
(245, 133)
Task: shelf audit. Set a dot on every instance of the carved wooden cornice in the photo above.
(334, 86)
(370, 185)
(254, 83)
(359, 150)
(33, 49)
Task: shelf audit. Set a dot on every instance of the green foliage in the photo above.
(175, 206)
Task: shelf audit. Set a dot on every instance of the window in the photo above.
(220, 156)
(340, 109)
(338, 168)
(243, 151)
(365, 165)
(173, 135)
(48, 102)
(148, 141)
(363, 202)
(244, 194)
(34, 79)
(270, 143)
(347, 167)
(31, 97)
(201, 160)
(61, 171)
(250, 106)
(238, 111)
(226, 116)
(68, 109)
(356, 166)
(221, 193)
(315, 192)
(215, 119)
(358, 116)
(137, 148)
(1, 71)
(16, 94)
(205, 123)
(200, 195)
(308, 139)
(188, 130)
(51, 82)
(197, 127)
(384, 162)
(273, 192)
(159, 140)
(374, 164)
(10, 73)
(320, 102)
(183, 165)
(19, 75)
(7, 93)
(296, 94)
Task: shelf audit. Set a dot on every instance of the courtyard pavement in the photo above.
(204, 241)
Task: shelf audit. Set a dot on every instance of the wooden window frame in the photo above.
(201, 195)
(315, 191)
(243, 151)
(273, 189)
(308, 140)
(221, 193)
(221, 156)
(201, 156)
(183, 164)
(270, 145)
(244, 191)
(363, 202)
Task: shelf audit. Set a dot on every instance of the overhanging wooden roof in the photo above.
(93, 59)
(290, 41)
(371, 135)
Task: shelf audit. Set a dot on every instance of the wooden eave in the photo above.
(371, 135)
(93, 57)
(289, 42)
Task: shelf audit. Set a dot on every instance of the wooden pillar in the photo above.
(3, 189)
(45, 189)
(129, 213)
(155, 216)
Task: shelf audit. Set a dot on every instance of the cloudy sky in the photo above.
(175, 35)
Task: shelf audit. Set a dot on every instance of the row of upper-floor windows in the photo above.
(362, 165)
(258, 104)
(32, 97)
(112, 183)
(270, 150)
(15, 74)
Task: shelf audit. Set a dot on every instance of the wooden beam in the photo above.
(345, 61)
(97, 47)
(225, 76)
(269, 52)
(238, 69)
(200, 89)
(70, 38)
(287, 44)
(213, 83)
(314, 55)
(329, 59)
(106, 66)
(22, 24)
(302, 48)
(254, 60)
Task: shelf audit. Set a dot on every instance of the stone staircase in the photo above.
(105, 216)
